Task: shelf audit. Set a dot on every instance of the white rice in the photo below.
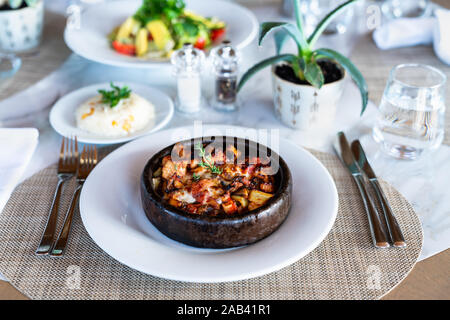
(128, 116)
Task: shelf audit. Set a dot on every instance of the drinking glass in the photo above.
(411, 113)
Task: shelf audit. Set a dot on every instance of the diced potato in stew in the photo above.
(211, 185)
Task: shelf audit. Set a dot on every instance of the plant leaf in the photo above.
(326, 21)
(280, 37)
(352, 69)
(299, 67)
(15, 4)
(261, 65)
(313, 74)
(299, 20)
(296, 67)
(31, 3)
(266, 27)
(291, 29)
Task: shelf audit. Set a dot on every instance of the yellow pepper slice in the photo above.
(126, 28)
(142, 42)
(161, 35)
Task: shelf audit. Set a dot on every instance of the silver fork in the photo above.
(88, 160)
(67, 168)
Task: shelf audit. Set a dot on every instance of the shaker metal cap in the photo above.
(226, 50)
(225, 56)
(188, 58)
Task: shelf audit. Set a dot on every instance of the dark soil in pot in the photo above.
(331, 72)
(7, 7)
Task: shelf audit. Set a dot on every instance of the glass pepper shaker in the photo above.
(187, 63)
(226, 67)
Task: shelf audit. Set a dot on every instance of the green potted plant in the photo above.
(306, 85)
(21, 23)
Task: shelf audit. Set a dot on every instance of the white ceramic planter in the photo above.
(21, 30)
(304, 107)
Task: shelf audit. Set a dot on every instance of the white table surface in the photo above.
(424, 183)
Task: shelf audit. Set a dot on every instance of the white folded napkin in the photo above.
(16, 149)
(441, 35)
(406, 32)
(43, 94)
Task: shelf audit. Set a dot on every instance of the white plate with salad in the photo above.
(144, 33)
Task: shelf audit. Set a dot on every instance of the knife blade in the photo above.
(393, 227)
(379, 237)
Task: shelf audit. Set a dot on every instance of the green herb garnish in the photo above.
(114, 96)
(207, 161)
(196, 177)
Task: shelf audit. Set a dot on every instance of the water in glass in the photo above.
(411, 113)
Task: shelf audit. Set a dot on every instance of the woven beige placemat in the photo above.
(344, 266)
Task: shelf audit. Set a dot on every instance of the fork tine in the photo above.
(67, 146)
(73, 151)
(86, 159)
(68, 155)
(83, 159)
(62, 152)
(70, 151)
(76, 148)
(95, 155)
(89, 158)
(92, 158)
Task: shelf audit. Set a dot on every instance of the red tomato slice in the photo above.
(200, 43)
(217, 34)
(123, 48)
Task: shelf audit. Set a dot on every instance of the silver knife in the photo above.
(379, 237)
(393, 227)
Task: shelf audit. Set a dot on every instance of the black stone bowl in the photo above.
(220, 231)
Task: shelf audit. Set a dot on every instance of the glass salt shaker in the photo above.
(188, 62)
(226, 66)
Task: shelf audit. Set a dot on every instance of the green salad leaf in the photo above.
(157, 9)
(190, 27)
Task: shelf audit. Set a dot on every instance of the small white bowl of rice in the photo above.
(128, 116)
(86, 114)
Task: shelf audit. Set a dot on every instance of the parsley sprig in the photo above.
(207, 162)
(114, 96)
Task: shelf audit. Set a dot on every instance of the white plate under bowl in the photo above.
(112, 214)
(62, 115)
(98, 20)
